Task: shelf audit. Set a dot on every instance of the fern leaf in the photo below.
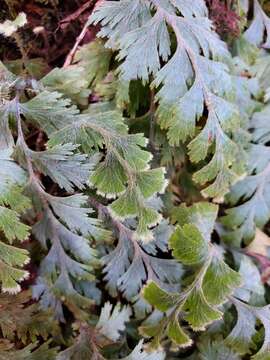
(112, 321)
(212, 284)
(212, 350)
(59, 268)
(240, 338)
(59, 163)
(182, 97)
(253, 212)
(140, 354)
(129, 265)
(69, 81)
(12, 259)
(49, 110)
(259, 25)
(30, 352)
(89, 342)
(95, 60)
(126, 161)
(25, 321)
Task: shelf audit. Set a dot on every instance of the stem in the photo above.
(79, 39)
(66, 21)
(72, 52)
(33, 178)
(152, 122)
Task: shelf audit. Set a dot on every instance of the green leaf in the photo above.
(94, 59)
(69, 81)
(219, 281)
(126, 162)
(12, 258)
(188, 245)
(110, 168)
(159, 298)
(11, 225)
(203, 215)
(200, 312)
(177, 334)
(211, 284)
(145, 49)
(49, 110)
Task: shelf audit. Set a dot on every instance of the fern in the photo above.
(106, 329)
(43, 352)
(134, 181)
(253, 212)
(129, 265)
(259, 24)
(12, 202)
(181, 98)
(33, 323)
(241, 336)
(212, 284)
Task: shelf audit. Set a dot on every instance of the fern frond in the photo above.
(213, 282)
(183, 96)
